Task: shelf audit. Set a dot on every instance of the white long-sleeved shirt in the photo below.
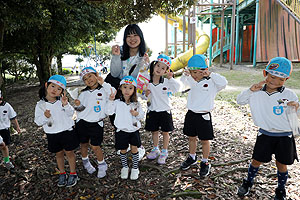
(120, 68)
(268, 110)
(159, 95)
(61, 116)
(94, 102)
(124, 120)
(7, 113)
(202, 94)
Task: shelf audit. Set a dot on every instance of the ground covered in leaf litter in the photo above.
(35, 175)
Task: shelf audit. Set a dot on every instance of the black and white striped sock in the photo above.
(135, 160)
(124, 160)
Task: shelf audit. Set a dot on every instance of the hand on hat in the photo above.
(115, 49)
(257, 86)
(112, 94)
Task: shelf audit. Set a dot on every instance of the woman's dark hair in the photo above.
(133, 29)
(43, 89)
(119, 95)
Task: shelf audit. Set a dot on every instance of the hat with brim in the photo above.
(130, 80)
(87, 70)
(164, 59)
(197, 62)
(58, 80)
(280, 67)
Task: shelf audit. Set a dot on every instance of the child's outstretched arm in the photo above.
(219, 80)
(15, 121)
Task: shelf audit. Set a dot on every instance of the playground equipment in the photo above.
(202, 45)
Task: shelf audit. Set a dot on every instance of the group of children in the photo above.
(99, 99)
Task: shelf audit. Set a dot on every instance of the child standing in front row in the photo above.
(54, 113)
(204, 85)
(268, 102)
(7, 114)
(127, 121)
(159, 112)
(90, 114)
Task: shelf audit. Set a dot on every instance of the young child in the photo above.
(7, 114)
(127, 121)
(54, 113)
(159, 114)
(204, 85)
(90, 107)
(268, 102)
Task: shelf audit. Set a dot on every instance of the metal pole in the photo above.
(232, 34)
(222, 35)
(183, 32)
(189, 28)
(237, 40)
(210, 35)
(255, 35)
(175, 42)
(167, 39)
(194, 31)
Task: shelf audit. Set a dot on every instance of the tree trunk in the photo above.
(1, 46)
(42, 60)
(59, 63)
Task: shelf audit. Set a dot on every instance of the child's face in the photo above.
(160, 69)
(90, 80)
(53, 90)
(127, 90)
(274, 82)
(198, 74)
(133, 40)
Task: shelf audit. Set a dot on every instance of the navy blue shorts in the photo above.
(89, 132)
(159, 120)
(5, 134)
(283, 147)
(198, 124)
(66, 140)
(123, 139)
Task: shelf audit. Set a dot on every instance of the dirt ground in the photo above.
(35, 175)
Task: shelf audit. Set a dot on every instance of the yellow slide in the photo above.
(202, 45)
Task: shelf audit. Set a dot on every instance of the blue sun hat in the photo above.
(280, 66)
(197, 61)
(129, 80)
(164, 59)
(87, 70)
(58, 80)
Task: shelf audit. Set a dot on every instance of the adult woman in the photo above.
(130, 58)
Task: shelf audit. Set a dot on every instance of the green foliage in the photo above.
(66, 71)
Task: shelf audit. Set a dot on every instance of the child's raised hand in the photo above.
(47, 113)
(186, 72)
(206, 73)
(100, 79)
(169, 74)
(146, 58)
(77, 102)
(293, 103)
(64, 98)
(115, 49)
(257, 86)
(112, 95)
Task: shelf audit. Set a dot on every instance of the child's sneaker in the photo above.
(188, 163)
(134, 174)
(162, 158)
(204, 169)
(280, 194)
(153, 154)
(244, 188)
(102, 170)
(72, 180)
(124, 173)
(89, 167)
(62, 180)
(142, 152)
(9, 165)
